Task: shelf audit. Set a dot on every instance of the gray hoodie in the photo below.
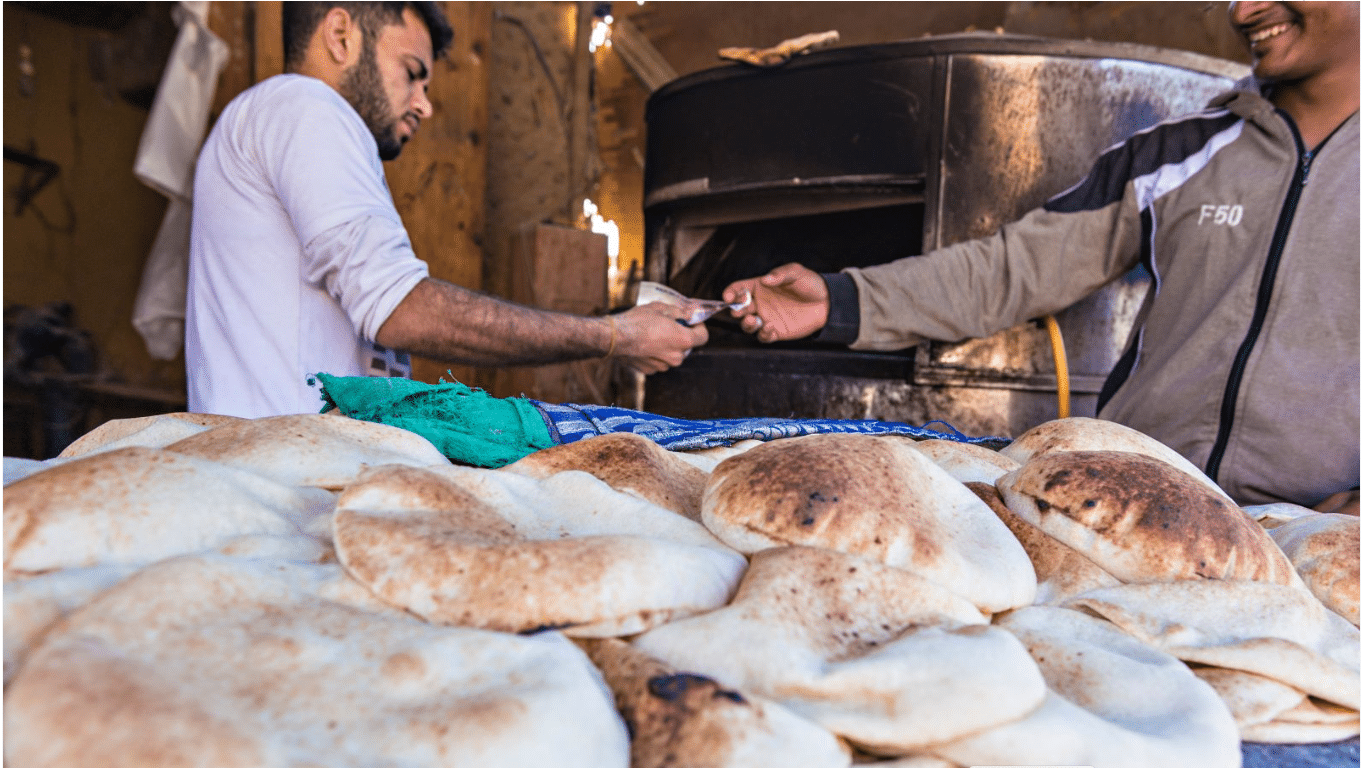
(1246, 355)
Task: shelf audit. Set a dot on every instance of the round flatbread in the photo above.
(1283, 633)
(1060, 570)
(493, 549)
(1326, 550)
(320, 449)
(146, 431)
(674, 715)
(878, 655)
(879, 498)
(229, 663)
(1079, 433)
(137, 505)
(628, 462)
(966, 462)
(1270, 711)
(1113, 701)
(1142, 520)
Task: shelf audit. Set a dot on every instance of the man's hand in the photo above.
(650, 338)
(788, 303)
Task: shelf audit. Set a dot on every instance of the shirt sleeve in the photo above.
(368, 266)
(842, 316)
(323, 166)
(1040, 264)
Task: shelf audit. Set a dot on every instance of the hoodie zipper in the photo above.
(1260, 307)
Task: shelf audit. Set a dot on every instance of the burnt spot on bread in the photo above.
(673, 687)
(1057, 479)
(1168, 524)
(672, 717)
(539, 628)
(839, 491)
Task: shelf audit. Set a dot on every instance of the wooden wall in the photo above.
(83, 237)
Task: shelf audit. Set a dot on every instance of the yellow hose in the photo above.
(1060, 363)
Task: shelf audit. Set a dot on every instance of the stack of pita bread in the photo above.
(318, 590)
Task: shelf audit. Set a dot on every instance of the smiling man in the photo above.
(1245, 356)
(299, 262)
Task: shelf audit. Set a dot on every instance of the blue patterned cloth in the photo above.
(570, 422)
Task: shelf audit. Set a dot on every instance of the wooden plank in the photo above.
(438, 180)
(562, 269)
(269, 40)
(235, 22)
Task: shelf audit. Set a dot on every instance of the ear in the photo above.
(342, 38)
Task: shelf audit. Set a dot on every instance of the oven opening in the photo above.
(704, 260)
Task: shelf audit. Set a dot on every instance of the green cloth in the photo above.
(468, 426)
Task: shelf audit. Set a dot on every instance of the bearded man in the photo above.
(299, 262)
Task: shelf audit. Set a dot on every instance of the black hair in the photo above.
(299, 20)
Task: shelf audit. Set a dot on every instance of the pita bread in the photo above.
(1279, 632)
(1251, 698)
(675, 715)
(707, 459)
(320, 449)
(878, 655)
(17, 469)
(1283, 732)
(1113, 701)
(1326, 550)
(1272, 515)
(34, 604)
(881, 499)
(628, 462)
(966, 462)
(1270, 711)
(1078, 433)
(1142, 520)
(138, 505)
(1061, 571)
(493, 549)
(225, 662)
(145, 431)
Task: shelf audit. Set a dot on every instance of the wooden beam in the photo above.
(234, 22)
(270, 44)
(438, 181)
(642, 58)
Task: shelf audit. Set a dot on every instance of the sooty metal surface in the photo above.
(856, 156)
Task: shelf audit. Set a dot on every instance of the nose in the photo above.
(421, 106)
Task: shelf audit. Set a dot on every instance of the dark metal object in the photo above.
(37, 173)
(858, 156)
(45, 353)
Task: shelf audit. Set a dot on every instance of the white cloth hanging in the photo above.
(165, 162)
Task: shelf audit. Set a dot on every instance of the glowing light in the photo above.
(604, 227)
(602, 34)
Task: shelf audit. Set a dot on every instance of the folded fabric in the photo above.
(571, 422)
(467, 425)
(470, 426)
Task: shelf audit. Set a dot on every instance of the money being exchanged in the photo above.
(697, 310)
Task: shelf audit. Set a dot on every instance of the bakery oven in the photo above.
(859, 155)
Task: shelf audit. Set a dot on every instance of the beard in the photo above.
(361, 87)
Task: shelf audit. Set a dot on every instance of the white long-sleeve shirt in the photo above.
(297, 253)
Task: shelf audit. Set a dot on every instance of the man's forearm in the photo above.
(446, 322)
